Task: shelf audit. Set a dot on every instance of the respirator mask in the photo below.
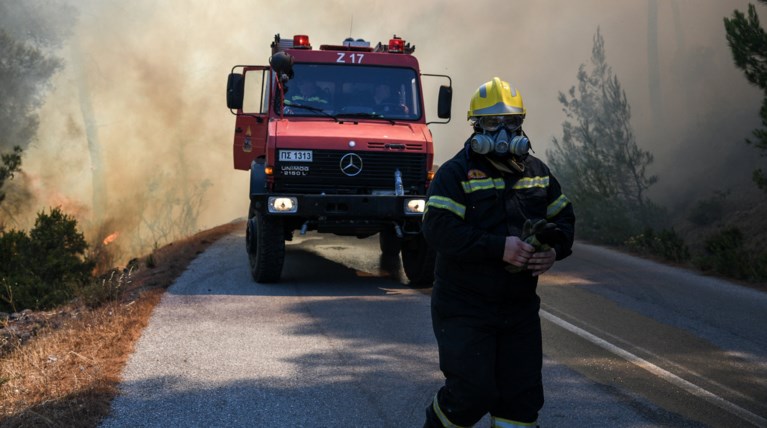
(500, 136)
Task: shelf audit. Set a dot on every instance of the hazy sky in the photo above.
(149, 77)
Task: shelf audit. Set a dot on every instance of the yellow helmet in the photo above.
(496, 98)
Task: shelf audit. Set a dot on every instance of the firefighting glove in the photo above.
(550, 235)
(541, 235)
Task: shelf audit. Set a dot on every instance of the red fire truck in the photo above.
(336, 141)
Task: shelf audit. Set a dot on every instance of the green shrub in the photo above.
(44, 268)
(603, 223)
(725, 254)
(14, 270)
(708, 210)
(612, 222)
(666, 244)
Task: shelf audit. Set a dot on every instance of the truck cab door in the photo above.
(247, 97)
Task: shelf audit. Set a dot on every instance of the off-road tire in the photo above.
(265, 241)
(389, 242)
(418, 261)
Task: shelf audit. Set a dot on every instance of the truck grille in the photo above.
(324, 174)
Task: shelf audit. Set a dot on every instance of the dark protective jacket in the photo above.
(472, 207)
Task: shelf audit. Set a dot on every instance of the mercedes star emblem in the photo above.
(351, 164)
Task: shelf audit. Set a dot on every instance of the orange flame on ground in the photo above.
(110, 238)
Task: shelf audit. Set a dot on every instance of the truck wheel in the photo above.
(418, 262)
(265, 240)
(389, 242)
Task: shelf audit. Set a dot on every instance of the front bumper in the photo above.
(337, 207)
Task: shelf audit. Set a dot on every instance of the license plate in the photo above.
(295, 155)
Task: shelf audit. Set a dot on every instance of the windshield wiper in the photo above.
(312, 108)
(367, 116)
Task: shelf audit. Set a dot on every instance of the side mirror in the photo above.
(282, 64)
(445, 103)
(235, 88)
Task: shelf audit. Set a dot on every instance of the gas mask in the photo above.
(500, 143)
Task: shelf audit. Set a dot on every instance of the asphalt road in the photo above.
(343, 342)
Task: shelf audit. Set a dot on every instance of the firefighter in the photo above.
(384, 102)
(497, 219)
(309, 94)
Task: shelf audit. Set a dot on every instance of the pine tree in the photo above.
(748, 42)
(604, 171)
(30, 33)
(10, 163)
(24, 70)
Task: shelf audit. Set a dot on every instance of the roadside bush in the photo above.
(14, 251)
(725, 254)
(666, 245)
(44, 268)
(613, 222)
(707, 211)
(107, 288)
(603, 223)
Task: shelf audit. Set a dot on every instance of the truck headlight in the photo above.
(415, 206)
(282, 204)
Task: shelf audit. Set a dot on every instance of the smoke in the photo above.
(136, 135)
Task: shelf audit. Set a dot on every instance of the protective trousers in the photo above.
(491, 356)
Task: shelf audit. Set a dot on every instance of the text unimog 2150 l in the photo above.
(336, 141)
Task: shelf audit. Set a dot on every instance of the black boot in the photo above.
(432, 421)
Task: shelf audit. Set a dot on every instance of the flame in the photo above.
(110, 238)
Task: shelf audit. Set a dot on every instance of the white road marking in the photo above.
(657, 371)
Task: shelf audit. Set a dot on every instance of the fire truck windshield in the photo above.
(388, 93)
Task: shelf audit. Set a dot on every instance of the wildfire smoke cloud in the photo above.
(153, 75)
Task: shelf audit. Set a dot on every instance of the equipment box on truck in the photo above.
(336, 141)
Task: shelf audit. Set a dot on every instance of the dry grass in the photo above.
(67, 375)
